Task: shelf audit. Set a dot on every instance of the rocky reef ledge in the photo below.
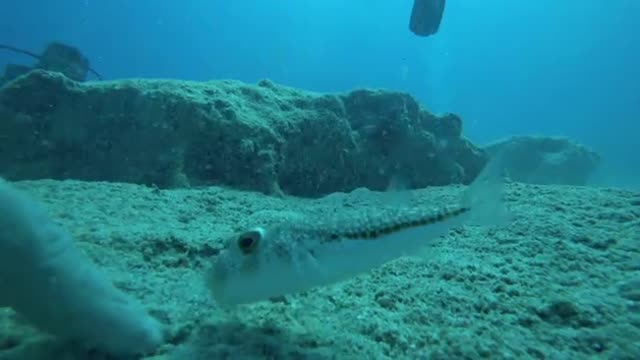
(263, 137)
(546, 160)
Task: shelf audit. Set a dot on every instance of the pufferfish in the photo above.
(268, 262)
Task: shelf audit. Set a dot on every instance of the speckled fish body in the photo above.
(262, 263)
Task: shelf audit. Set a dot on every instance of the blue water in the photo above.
(507, 67)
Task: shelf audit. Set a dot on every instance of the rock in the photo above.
(263, 137)
(12, 71)
(546, 160)
(64, 59)
(57, 57)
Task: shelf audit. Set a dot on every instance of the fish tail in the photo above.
(485, 196)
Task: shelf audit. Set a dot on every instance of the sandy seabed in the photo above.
(560, 281)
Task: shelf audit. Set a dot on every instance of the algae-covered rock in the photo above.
(57, 57)
(64, 59)
(546, 160)
(263, 137)
(12, 71)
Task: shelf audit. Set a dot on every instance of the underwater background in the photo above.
(153, 154)
(507, 68)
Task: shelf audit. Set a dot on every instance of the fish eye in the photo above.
(248, 241)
